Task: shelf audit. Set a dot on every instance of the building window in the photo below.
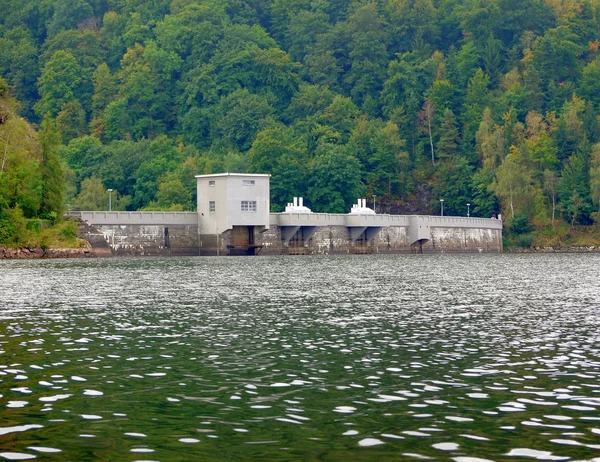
(211, 206)
(248, 182)
(211, 182)
(248, 206)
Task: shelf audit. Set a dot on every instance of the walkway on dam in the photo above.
(290, 219)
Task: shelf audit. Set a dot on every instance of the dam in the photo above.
(233, 218)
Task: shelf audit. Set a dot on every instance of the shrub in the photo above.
(69, 230)
(34, 225)
(51, 216)
(13, 229)
(519, 224)
(524, 240)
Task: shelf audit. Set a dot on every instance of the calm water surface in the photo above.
(464, 358)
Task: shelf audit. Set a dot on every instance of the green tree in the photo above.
(239, 117)
(590, 82)
(105, 89)
(340, 115)
(452, 182)
(513, 185)
(476, 99)
(68, 14)
(492, 57)
(368, 53)
(485, 202)
(92, 196)
(52, 174)
(13, 227)
(172, 192)
(162, 158)
(70, 121)
(441, 94)
(302, 31)
(490, 141)
(19, 65)
(334, 181)
(309, 100)
(273, 143)
(144, 107)
(595, 174)
(19, 158)
(426, 124)
(389, 162)
(58, 83)
(449, 137)
(278, 151)
(569, 129)
(556, 54)
(574, 190)
(411, 23)
(550, 187)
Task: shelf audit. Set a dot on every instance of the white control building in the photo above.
(233, 207)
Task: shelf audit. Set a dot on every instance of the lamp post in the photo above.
(442, 206)
(468, 209)
(374, 203)
(110, 199)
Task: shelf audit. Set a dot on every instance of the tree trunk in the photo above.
(430, 139)
(5, 155)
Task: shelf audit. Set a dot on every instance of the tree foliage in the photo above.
(491, 103)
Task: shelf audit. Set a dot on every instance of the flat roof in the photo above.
(213, 175)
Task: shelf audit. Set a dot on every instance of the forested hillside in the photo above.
(494, 103)
(32, 181)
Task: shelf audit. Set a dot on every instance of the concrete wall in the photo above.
(142, 240)
(394, 239)
(177, 233)
(464, 240)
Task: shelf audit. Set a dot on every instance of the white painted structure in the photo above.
(226, 200)
(297, 206)
(360, 208)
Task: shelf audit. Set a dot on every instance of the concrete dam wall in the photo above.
(140, 233)
(337, 240)
(362, 234)
(179, 233)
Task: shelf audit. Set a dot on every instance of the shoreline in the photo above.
(25, 253)
(570, 249)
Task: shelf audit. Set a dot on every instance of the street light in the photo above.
(373, 203)
(110, 199)
(468, 210)
(442, 204)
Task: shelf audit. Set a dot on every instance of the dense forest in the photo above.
(492, 103)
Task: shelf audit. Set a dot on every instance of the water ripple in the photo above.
(463, 357)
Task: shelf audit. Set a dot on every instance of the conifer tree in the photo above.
(449, 137)
(52, 174)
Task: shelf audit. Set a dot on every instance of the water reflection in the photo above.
(465, 358)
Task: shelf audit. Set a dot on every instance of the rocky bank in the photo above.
(38, 252)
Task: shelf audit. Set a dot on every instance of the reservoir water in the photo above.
(442, 357)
